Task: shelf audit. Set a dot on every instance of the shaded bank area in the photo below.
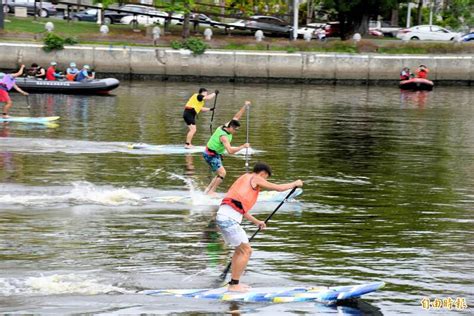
(243, 66)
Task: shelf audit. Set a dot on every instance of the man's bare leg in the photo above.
(239, 263)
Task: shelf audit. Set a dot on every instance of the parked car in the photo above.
(146, 15)
(43, 9)
(268, 24)
(238, 24)
(427, 32)
(316, 29)
(144, 19)
(467, 37)
(202, 18)
(90, 15)
(385, 27)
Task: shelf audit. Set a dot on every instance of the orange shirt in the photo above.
(242, 192)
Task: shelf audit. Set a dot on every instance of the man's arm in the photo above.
(20, 72)
(261, 182)
(257, 222)
(239, 114)
(17, 88)
(210, 96)
(232, 150)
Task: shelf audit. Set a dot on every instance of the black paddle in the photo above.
(224, 273)
(214, 110)
(247, 149)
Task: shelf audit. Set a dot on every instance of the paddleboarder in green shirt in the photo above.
(220, 143)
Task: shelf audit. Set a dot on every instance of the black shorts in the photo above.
(189, 116)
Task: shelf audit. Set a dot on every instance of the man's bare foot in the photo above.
(212, 194)
(6, 116)
(188, 146)
(238, 288)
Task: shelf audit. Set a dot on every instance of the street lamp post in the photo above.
(295, 19)
(410, 5)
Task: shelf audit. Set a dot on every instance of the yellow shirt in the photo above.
(195, 104)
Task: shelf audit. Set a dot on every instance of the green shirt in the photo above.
(215, 143)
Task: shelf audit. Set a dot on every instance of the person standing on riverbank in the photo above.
(236, 205)
(7, 82)
(218, 144)
(196, 104)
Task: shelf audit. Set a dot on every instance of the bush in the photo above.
(56, 42)
(196, 45)
(53, 42)
(70, 41)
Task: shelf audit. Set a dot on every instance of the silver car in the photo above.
(43, 9)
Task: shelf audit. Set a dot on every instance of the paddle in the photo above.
(226, 270)
(247, 149)
(28, 101)
(214, 109)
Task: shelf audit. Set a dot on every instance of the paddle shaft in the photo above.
(213, 111)
(226, 270)
(247, 149)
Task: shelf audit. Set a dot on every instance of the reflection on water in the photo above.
(388, 196)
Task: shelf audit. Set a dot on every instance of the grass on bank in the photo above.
(123, 35)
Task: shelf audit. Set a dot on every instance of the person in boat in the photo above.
(218, 144)
(235, 206)
(196, 104)
(52, 74)
(37, 71)
(405, 74)
(71, 72)
(422, 72)
(7, 82)
(84, 75)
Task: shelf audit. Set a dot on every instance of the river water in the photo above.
(388, 196)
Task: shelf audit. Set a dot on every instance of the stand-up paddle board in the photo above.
(31, 120)
(202, 199)
(277, 294)
(179, 149)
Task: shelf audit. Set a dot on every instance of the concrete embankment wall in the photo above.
(164, 63)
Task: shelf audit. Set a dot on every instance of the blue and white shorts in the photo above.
(231, 230)
(215, 161)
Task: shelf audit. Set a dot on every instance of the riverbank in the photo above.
(242, 66)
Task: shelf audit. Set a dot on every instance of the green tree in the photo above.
(354, 15)
(181, 6)
(457, 13)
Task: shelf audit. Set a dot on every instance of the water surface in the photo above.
(388, 196)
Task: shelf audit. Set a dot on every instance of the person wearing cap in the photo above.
(235, 206)
(71, 71)
(7, 82)
(422, 72)
(83, 75)
(220, 143)
(51, 73)
(196, 104)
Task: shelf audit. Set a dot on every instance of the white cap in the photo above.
(86, 67)
(73, 64)
(53, 63)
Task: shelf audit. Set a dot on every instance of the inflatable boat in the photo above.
(416, 84)
(99, 86)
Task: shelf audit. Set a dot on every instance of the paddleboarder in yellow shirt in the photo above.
(196, 104)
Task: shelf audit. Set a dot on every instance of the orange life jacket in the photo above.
(241, 195)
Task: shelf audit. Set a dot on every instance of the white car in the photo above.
(147, 19)
(316, 30)
(427, 32)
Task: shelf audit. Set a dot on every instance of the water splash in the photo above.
(58, 284)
